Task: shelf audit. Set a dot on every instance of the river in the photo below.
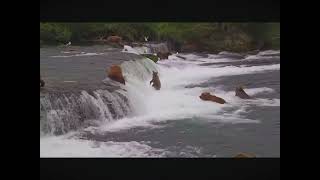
(85, 114)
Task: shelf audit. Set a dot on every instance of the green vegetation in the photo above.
(53, 33)
(152, 57)
(203, 36)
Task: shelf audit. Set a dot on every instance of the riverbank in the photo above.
(153, 45)
(182, 37)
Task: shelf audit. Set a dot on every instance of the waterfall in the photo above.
(68, 111)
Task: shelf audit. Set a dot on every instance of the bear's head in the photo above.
(154, 74)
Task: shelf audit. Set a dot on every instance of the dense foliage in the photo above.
(206, 36)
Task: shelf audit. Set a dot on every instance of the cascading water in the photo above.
(147, 48)
(63, 112)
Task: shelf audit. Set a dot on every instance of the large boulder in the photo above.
(241, 93)
(115, 73)
(161, 49)
(208, 97)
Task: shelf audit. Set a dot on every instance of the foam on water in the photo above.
(176, 76)
(269, 52)
(264, 55)
(190, 56)
(81, 54)
(136, 50)
(194, 59)
(64, 146)
(69, 146)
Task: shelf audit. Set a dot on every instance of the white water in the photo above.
(79, 54)
(62, 113)
(66, 146)
(175, 102)
(136, 50)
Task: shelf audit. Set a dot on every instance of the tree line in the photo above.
(207, 36)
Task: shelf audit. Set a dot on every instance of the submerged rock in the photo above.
(253, 52)
(181, 57)
(115, 73)
(231, 55)
(208, 97)
(244, 155)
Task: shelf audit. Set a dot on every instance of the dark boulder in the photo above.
(241, 93)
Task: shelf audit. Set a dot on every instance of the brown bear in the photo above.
(156, 81)
(114, 39)
(208, 97)
(115, 73)
(241, 93)
(163, 55)
(42, 83)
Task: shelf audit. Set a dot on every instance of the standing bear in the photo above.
(42, 83)
(156, 81)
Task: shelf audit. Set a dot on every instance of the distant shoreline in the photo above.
(94, 43)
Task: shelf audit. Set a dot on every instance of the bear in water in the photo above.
(208, 97)
(241, 93)
(156, 81)
(42, 83)
(163, 55)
